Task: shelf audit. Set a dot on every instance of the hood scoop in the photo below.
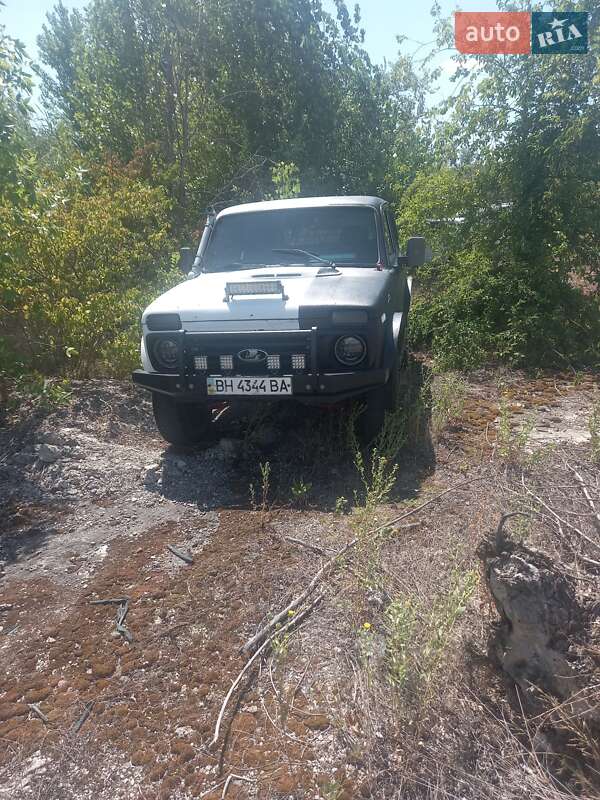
(279, 275)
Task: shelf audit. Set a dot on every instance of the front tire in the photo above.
(384, 398)
(181, 424)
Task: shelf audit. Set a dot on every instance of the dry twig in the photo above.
(329, 565)
(294, 621)
(588, 497)
(233, 777)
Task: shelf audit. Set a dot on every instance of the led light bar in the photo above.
(253, 288)
(200, 362)
(273, 362)
(226, 362)
(298, 361)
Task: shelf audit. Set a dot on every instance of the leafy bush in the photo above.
(81, 262)
(476, 299)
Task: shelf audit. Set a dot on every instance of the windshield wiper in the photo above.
(295, 250)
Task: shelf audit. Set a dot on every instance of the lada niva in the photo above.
(303, 299)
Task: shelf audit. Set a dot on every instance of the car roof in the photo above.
(304, 202)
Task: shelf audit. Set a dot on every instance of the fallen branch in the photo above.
(588, 497)
(407, 527)
(293, 621)
(233, 777)
(122, 612)
(308, 545)
(180, 554)
(559, 519)
(86, 712)
(39, 713)
(328, 566)
(111, 601)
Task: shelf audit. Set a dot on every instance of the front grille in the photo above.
(218, 354)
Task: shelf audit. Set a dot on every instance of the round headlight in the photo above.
(167, 353)
(350, 350)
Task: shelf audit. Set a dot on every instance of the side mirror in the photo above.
(416, 251)
(186, 259)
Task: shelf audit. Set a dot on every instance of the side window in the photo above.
(390, 244)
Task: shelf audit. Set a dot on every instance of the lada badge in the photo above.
(252, 356)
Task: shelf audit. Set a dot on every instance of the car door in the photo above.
(399, 291)
(397, 275)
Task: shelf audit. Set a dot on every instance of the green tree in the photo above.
(210, 88)
(81, 263)
(523, 139)
(15, 91)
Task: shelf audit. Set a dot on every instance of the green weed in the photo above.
(45, 393)
(378, 475)
(448, 394)
(261, 504)
(416, 640)
(301, 491)
(341, 505)
(400, 622)
(512, 441)
(443, 617)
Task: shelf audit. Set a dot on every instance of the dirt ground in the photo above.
(92, 499)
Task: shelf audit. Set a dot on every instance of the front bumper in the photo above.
(316, 384)
(322, 388)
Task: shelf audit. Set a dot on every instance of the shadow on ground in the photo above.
(310, 453)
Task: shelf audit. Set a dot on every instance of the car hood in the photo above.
(203, 300)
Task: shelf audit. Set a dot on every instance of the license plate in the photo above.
(249, 386)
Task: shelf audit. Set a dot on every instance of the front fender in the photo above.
(393, 335)
(396, 331)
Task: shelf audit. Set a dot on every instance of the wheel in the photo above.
(180, 423)
(384, 398)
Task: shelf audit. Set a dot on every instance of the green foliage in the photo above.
(448, 395)
(400, 622)
(15, 90)
(509, 202)
(80, 265)
(417, 639)
(286, 180)
(43, 393)
(301, 491)
(214, 84)
(215, 102)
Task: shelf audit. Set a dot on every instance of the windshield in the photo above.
(305, 236)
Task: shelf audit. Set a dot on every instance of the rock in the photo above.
(50, 437)
(540, 617)
(151, 474)
(49, 453)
